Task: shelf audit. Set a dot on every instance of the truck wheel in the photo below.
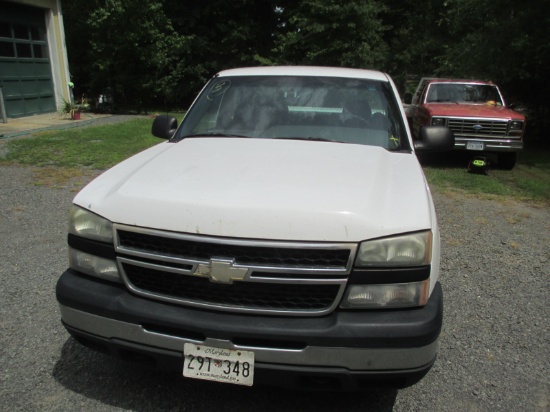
(507, 161)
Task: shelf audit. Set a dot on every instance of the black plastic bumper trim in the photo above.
(287, 376)
(404, 328)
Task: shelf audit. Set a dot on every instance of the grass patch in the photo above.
(447, 178)
(529, 180)
(97, 147)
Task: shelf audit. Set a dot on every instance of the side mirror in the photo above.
(164, 126)
(408, 98)
(435, 139)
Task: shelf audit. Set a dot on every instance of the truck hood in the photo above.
(472, 110)
(265, 189)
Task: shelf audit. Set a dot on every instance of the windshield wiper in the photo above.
(212, 134)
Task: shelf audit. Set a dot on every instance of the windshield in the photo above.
(463, 93)
(298, 107)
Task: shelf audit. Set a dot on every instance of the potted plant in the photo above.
(68, 108)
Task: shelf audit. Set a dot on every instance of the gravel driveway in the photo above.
(494, 352)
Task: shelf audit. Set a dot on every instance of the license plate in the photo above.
(475, 146)
(220, 365)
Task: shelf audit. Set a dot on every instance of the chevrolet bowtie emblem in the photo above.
(221, 271)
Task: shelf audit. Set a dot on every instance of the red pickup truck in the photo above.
(476, 113)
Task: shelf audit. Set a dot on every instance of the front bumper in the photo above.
(491, 145)
(346, 349)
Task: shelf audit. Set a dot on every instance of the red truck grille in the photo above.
(478, 127)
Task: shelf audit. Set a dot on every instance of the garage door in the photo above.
(25, 71)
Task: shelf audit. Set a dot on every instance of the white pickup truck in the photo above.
(284, 233)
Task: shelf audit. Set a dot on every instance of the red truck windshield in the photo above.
(463, 93)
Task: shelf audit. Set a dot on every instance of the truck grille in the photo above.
(478, 127)
(303, 279)
(245, 255)
(251, 295)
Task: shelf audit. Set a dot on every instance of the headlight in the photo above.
(89, 225)
(399, 295)
(439, 121)
(515, 125)
(94, 265)
(406, 250)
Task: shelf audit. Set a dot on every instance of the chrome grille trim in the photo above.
(490, 128)
(163, 267)
(254, 246)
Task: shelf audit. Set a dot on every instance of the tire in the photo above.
(507, 160)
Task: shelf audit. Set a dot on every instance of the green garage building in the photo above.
(34, 72)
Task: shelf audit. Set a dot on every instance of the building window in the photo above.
(5, 29)
(22, 41)
(20, 32)
(6, 49)
(23, 50)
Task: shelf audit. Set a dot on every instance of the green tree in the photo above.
(77, 39)
(416, 37)
(332, 32)
(133, 43)
(507, 42)
(499, 38)
(155, 52)
(225, 34)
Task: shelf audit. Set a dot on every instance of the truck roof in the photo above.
(306, 71)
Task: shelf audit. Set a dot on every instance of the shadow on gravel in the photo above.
(110, 381)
